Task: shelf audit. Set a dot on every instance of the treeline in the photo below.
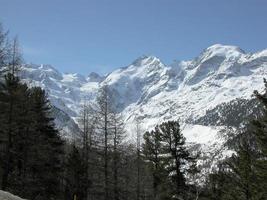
(243, 176)
(153, 169)
(99, 164)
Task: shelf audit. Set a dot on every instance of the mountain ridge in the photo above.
(156, 92)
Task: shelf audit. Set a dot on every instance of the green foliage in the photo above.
(76, 181)
(244, 175)
(31, 146)
(165, 150)
(151, 150)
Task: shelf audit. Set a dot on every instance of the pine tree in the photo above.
(10, 64)
(46, 149)
(219, 185)
(246, 170)
(76, 179)
(21, 140)
(9, 104)
(249, 166)
(259, 131)
(176, 157)
(138, 158)
(194, 177)
(32, 148)
(152, 150)
(242, 174)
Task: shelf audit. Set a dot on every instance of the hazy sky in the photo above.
(101, 35)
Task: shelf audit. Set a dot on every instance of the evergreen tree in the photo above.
(138, 158)
(152, 149)
(219, 184)
(176, 157)
(165, 149)
(128, 175)
(45, 163)
(242, 175)
(259, 131)
(76, 179)
(31, 146)
(9, 101)
(10, 62)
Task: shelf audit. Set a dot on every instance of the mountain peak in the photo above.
(47, 67)
(145, 60)
(223, 51)
(224, 48)
(94, 77)
(155, 92)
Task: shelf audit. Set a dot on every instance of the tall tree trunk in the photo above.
(7, 163)
(138, 162)
(106, 152)
(116, 192)
(155, 177)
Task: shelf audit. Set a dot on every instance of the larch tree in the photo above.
(4, 50)
(118, 135)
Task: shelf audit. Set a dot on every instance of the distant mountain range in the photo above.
(196, 91)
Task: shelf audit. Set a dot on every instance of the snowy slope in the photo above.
(65, 91)
(154, 92)
(7, 196)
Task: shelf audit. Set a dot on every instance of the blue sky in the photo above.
(101, 35)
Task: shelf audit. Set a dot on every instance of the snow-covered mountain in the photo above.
(156, 92)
